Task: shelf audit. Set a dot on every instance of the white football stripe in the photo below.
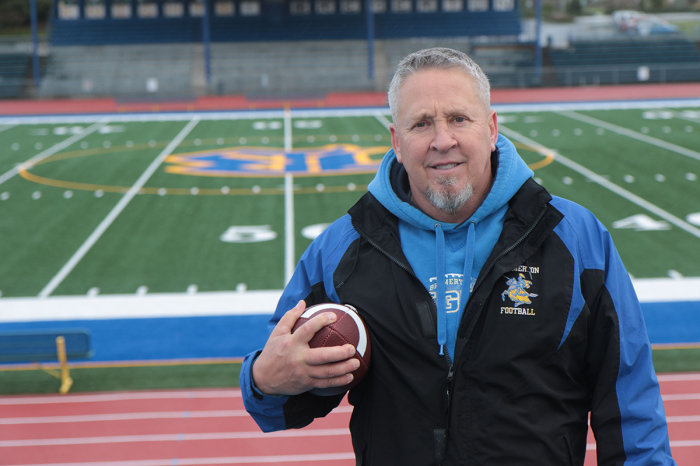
(362, 343)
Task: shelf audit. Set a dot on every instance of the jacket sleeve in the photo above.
(313, 282)
(627, 414)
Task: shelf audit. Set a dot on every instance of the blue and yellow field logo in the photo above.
(335, 159)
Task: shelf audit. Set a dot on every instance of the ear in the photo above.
(395, 141)
(493, 128)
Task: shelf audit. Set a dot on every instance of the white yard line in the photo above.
(289, 243)
(6, 127)
(382, 119)
(52, 150)
(322, 457)
(603, 182)
(123, 202)
(632, 134)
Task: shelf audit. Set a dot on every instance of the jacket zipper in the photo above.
(450, 364)
(450, 371)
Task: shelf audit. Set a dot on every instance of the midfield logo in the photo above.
(253, 161)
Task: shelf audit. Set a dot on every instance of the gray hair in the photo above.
(443, 59)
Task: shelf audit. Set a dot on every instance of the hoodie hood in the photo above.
(456, 252)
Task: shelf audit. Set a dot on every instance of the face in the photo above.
(444, 137)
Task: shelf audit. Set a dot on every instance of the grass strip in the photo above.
(95, 379)
(677, 360)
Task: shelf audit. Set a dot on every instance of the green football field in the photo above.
(224, 201)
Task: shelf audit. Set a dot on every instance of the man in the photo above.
(499, 316)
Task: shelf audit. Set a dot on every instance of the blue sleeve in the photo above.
(313, 282)
(627, 415)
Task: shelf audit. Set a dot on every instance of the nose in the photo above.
(443, 139)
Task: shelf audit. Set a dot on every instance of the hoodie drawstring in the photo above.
(440, 274)
(468, 265)
(440, 296)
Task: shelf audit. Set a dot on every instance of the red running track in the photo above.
(205, 427)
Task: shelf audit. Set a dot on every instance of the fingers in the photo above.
(334, 371)
(306, 332)
(329, 354)
(289, 318)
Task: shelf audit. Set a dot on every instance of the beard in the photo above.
(446, 196)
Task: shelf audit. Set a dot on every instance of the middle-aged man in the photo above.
(499, 316)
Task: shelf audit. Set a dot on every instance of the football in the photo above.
(348, 328)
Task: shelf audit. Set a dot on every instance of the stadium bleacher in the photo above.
(121, 70)
(619, 61)
(13, 69)
(257, 68)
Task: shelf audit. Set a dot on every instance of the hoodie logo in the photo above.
(517, 292)
(453, 291)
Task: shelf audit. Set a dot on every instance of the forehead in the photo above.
(451, 87)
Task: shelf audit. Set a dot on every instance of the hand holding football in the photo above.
(348, 328)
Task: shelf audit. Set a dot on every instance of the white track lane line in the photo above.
(673, 419)
(603, 182)
(123, 202)
(123, 417)
(292, 433)
(102, 397)
(681, 397)
(632, 134)
(52, 150)
(325, 457)
(678, 377)
(140, 416)
(289, 243)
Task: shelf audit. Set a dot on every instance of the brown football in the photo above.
(348, 328)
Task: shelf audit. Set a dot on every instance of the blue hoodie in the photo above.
(456, 252)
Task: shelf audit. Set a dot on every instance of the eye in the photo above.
(420, 124)
(460, 119)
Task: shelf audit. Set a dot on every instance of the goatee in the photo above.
(446, 198)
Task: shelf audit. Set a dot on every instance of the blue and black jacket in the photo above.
(551, 331)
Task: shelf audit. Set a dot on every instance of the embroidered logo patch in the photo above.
(517, 291)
